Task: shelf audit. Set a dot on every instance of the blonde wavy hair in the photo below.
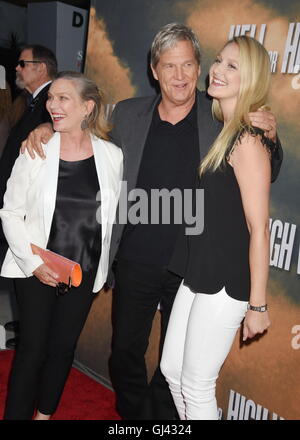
(88, 90)
(254, 66)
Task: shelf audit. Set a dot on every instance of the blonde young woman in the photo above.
(55, 204)
(226, 269)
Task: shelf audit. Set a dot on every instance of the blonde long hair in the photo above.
(254, 65)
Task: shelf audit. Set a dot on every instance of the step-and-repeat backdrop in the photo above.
(260, 380)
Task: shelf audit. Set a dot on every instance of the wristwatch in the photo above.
(257, 308)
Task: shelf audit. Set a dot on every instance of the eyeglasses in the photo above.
(22, 63)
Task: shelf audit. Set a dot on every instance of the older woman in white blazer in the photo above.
(65, 203)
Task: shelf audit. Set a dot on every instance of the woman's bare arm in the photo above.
(252, 168)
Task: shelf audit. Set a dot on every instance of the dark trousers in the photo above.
(138, 290)
(50, 326)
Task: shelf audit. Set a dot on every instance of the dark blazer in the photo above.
(131, 122)
(32, 117)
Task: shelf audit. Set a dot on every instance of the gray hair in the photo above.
(168, 36)
(45, 55)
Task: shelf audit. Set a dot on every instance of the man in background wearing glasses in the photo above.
(36, 68)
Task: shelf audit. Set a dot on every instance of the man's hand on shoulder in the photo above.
(33, 143)
(266, 121)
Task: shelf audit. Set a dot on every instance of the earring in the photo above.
(84, 124)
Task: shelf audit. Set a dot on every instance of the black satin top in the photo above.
(75, 232)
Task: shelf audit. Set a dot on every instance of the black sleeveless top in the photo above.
(75, 232)
(219, 257)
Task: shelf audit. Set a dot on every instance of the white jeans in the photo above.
(200, 334)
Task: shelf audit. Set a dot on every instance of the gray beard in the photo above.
(20, 83)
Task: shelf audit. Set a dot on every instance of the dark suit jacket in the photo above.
(28, 122)
(131, 123)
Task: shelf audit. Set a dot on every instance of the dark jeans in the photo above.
(49, 329)
(138, 291)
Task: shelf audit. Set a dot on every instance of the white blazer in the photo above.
(29, 204)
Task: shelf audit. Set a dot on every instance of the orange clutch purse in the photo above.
(69, 271)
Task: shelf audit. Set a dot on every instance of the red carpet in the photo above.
(83, 398)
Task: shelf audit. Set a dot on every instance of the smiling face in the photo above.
(225, 77)
(66, 107)
(177, 72)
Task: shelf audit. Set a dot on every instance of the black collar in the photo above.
(190, 118)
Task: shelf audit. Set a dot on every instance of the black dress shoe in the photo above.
(12, 326)
(12, 343)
